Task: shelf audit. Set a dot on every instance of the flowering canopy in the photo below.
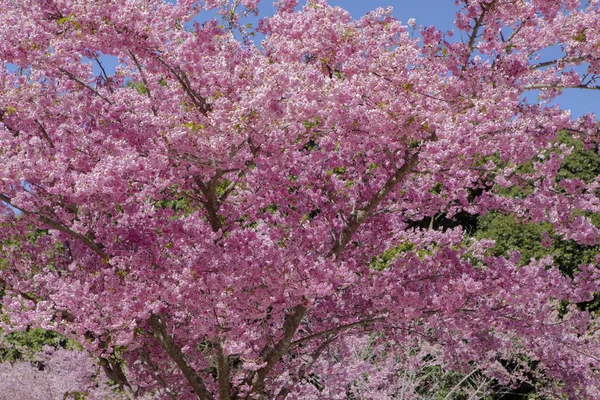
(58, 374)
(205, 218)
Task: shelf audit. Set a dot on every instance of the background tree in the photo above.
(54, 374)
(206, 218)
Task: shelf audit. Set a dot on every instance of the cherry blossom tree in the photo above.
(206, 219)
(54, 375)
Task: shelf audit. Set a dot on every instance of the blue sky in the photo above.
(440, 13)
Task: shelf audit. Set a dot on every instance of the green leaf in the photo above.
(194, 127)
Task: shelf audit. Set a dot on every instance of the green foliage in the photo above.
(223, 186)
(178, 201)
(383, 261)
(69, 19)
(511, 235)
(194, 127)
(22, 345)
(581, 163)
(309, 124)
(436, 188)
(339, 171)
(526, 238)
(525, 187)
(140, 87)
(580, 36)
(271, 208)
(75, 395)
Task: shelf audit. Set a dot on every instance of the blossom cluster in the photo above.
(204, 218)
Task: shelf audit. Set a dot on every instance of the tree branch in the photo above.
(106, 78)
(557, 86)
(281, 348)
(223, 373)
(45, 134)
(143, 75)
(459, 384)
(478, 24)
(553, 62)
(211, 203)
(334, 330)
(198, 100)
(15, 132)
(283, 393)
(114, 372)
(60, 227)
(359, 216)
(159, 330)
(76, 79)
(146, 359)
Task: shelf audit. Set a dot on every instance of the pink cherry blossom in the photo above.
(210, 211)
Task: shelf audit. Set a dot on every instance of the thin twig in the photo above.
(73, 77)
(45, 134)
(283, 393)
(556, 61)
(334, 330)
(198, 100)
(477, 26)
(143, 75)
(106, 78)
(560, 87)
(146, 359)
